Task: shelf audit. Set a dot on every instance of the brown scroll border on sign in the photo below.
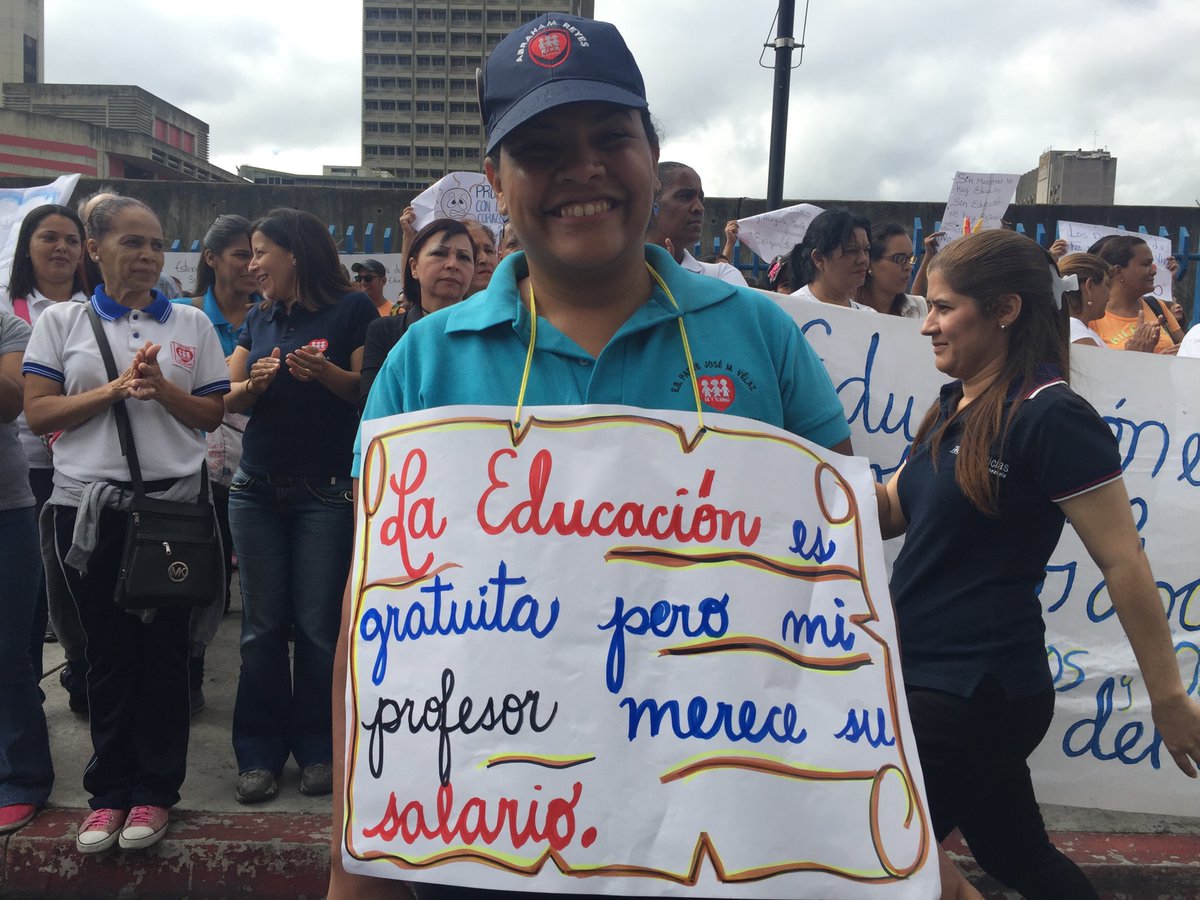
(371, 494)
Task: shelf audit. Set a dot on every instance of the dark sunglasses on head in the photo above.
(364, 279)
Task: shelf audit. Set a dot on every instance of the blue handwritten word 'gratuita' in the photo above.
(445, 617)
(662, 619)
(706, 721)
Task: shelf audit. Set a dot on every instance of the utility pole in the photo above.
(784, 42)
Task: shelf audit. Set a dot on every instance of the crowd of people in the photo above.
(257, 380)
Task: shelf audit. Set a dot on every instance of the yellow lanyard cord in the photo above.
(687, 349)
(528, 354)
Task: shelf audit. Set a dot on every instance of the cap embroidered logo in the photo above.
(550, 48)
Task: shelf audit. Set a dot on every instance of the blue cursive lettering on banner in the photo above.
(661, 619)
(857, 728)
(805, 629)
(819, 551)
(779, 723)
(1093, 736)
(427, 618)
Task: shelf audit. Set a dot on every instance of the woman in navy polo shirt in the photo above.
(297, 365)
(1001, 459)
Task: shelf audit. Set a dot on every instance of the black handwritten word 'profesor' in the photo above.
(449, 617)
(508, 714)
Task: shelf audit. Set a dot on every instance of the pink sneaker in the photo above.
(100, 830)
(14, 816)
(145, 827)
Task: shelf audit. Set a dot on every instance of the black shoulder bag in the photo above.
(172, 556)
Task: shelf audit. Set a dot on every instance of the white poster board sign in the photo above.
(775, 233)
(458, 196)
(1102, 749)
(979, 198)
(15, 203)
(182, 265)
(1079, 236)
(598, 646)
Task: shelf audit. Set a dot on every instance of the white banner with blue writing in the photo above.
(1102, 749)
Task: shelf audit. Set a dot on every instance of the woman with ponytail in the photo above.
(1005, 455)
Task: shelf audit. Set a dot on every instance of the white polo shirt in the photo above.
(63, 348)
(723, 271)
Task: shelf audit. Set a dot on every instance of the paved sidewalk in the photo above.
(217, 847)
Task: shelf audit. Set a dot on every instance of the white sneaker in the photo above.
(100, 830)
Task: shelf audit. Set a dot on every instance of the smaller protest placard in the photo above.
(1079, 236)
(459, 196)
(977, 201)
(775, 233)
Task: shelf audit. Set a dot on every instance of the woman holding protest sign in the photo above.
(831, 262)
(1005, 455)
(572, 157)
(437, 273)
(297, 366)
(1134, 319)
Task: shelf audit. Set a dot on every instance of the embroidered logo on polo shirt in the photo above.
(717, 391)
(183, 355)
(318, 344)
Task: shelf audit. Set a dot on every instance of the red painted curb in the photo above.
(286, 855)
(203, 855)
(1121, 866)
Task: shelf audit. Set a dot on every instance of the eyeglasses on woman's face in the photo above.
(901, 259)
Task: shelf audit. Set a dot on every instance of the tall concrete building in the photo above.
(1070, 178)
(420, 114)
(21, 41)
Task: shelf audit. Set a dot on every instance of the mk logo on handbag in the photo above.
(177, 571)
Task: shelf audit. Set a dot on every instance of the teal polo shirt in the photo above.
(751, 359)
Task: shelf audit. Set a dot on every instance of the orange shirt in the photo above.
(1115, 330)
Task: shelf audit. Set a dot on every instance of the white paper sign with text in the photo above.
(604, 646)
(978, 197)
(1079, 236)
(459, 196)
(775, 233)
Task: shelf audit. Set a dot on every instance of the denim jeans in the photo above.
(26, 773)
(294, 538)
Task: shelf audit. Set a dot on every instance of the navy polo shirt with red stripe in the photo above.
(302, 428)
(965, 584)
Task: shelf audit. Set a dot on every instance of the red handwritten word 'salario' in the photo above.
(471, 823)
(532, 513)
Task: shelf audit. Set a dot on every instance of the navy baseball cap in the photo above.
(551, 61)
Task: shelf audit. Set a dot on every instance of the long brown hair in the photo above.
(985, 267)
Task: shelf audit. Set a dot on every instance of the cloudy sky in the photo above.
(893, 95)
